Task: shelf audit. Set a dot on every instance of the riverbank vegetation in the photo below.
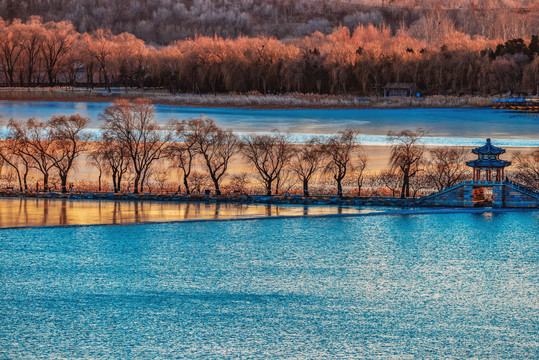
(196, 155)
(478, 50)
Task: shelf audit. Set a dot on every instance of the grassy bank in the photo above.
(251, 100)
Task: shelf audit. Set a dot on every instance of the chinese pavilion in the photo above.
(488, 160)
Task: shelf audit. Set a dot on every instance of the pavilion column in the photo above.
(498, 175)
(488, 175)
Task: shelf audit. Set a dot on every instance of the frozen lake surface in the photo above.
(447, 126)
(461, 285)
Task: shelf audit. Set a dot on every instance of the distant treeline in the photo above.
(37, 53)
(163, 21)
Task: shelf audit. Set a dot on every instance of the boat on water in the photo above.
(518, 104)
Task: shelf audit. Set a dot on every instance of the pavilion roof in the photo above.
(487, 149)
(488, 163)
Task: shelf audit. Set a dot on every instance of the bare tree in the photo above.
(11, 156)
(97, 160)
(527, 165)
(340, 150)
(446, 166)
(239, 183)
(418, 183)
(390, 179)
(132, 125)
(269, 154)
(57, 41)
(183, 151)
(69, 141)
(359, 171)
(285, 182)
(34, 141)
(406, 155)
(215, 145)
(307, 160)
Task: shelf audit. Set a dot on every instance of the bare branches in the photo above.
(307, 160)
(215, 145)
(406, 155)
(133, 126)
(340, 150)
(269, 154)
(527, 165)
(446, 166)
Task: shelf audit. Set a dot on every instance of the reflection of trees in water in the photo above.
(46, 204)
(138, 210)
(63, 213)
(186, 213)
(116, 211)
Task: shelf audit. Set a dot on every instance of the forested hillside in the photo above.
(276, 46)
(163, 21)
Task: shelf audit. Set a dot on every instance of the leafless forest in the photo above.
(280, 46)
(134, 153)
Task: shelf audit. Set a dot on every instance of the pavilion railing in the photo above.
(514, 185)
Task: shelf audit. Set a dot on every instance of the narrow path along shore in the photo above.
(225, 199)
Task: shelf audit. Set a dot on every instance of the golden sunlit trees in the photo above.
(58, 39)
(132, 125)
(11, 49)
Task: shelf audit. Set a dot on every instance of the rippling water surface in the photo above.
(434, 286)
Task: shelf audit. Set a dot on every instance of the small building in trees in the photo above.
(488, 161)
(399, 89)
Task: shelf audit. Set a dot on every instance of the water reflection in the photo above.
(60, 212)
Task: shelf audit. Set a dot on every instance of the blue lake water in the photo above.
(431, 286)
(447, 126)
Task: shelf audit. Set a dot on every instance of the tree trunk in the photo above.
(24, 179)
(63, 179)
(45, 182)
(137, 179)
(19, 177)
(99, 181)
(268, 188)
(339, 188)
(186, 184)
(305, 188)
(216, 183)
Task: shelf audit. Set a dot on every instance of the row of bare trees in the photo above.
(131, 141)
(343, 61)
